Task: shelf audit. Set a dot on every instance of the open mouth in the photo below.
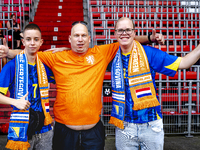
(80, 45)
(124, 38)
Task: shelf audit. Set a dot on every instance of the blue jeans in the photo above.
(147, 136)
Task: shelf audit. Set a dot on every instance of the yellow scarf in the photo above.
(17, 133)
(140, 82)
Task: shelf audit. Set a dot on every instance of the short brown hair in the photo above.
(123, 18)
(32, 26)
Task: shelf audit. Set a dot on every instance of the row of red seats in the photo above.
(141, 15)
(178, 24)
(15, 8)
(136, 10)
(131, 2)
(17, 1)
(169, 104)
(166, 97)
(191, 75)
(8, 14)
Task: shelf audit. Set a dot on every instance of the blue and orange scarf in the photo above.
(19, 120)
(140, 82)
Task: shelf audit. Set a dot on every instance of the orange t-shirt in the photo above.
(79, 81)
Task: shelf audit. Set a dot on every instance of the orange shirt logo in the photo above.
(90, 59)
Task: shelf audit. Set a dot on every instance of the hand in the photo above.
(156, 37)
(54, 50)
(22, 103)
(4, 49)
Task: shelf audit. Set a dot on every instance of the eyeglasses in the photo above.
(81, 22)
(127, 31)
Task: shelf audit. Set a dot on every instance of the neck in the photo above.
(31, 58)
(126, 48)
(79, 54)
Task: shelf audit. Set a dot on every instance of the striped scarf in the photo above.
(19, 120)
(140, 83)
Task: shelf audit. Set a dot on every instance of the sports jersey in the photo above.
(158, 62)
(7, 82)
(79, 81)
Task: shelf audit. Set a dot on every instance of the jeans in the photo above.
(42, 141)
(144, 136)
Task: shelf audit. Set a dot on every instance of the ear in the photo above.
(89, 39)
(69, 38)
(23, 42)
(41, 42)
(115, 35)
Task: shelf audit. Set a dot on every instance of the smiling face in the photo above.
(32, 41)
(79, 39)
(125, 40)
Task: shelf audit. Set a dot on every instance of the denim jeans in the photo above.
(145, 136)
(41, 141)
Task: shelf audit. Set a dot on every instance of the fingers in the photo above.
(25, 95)
(55, 50)
(160, 39)
(27, 105)
(48, 50)
(154, 32)
(4, 42)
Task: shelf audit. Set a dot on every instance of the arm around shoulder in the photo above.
(151, 38)
(190, 59)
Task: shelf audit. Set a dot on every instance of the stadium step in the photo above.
(56, 23)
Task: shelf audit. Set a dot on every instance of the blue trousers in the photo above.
(65, 138)
(145, 136)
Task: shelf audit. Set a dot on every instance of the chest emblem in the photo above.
(90, 59)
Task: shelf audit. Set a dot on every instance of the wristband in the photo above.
(149, 37)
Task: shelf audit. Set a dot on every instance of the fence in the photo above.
(179, 101)
(179, 22)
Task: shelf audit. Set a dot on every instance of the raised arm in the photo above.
(8, 25)
(190, 59)
(19, 103)
(154, 37)
(5, 52)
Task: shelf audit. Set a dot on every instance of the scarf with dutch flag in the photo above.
(19, 120)
(140, 82)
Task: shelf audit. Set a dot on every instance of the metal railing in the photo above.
(179, 22)
(179, 101)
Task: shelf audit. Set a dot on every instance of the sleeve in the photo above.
(109, 50)
(50, 74)
(7, 76)
(162, 62)
(48, 58)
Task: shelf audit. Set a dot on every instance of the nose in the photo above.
(124, 32)
(80, 38)
(32, 42)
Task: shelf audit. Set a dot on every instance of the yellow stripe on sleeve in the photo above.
(4, 90)
(174, 66)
